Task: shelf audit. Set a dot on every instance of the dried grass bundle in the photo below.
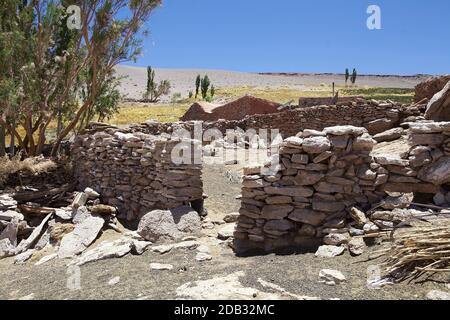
(34, 166)
(419, 250)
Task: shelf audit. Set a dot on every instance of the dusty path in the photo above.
(297, 274)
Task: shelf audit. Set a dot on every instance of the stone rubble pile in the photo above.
(67, 231)
(327, 180)
(70, 232)
(134, 172)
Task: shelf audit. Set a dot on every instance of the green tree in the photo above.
(354, 76)
(213, 91)
(347, 75)
(151, 85)
(61, 74)
(197, 85)
(155, 91)
(205, 83)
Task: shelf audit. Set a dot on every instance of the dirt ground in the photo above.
(296, 274)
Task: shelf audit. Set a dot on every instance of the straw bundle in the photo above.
(419, 250)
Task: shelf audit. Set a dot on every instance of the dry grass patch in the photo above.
(138, 113)
(34, 166)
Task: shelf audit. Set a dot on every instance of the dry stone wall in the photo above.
(324, 175)
(133, 171)
(375, 116)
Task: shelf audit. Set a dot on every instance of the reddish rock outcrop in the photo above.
(235, 110)
(430, 87)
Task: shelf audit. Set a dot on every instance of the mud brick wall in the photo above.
(133, 171)
(322, 175)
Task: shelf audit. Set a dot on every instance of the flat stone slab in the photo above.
(106, 250)
(81, 237)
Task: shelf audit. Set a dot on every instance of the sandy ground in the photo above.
(183, 80)
(297, 274)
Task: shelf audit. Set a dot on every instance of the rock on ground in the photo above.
(438, 295)
(46, 259)
(331, 277)
(222, 288)
(169, 224)
(227, 231)
(356, 246)
(81, 237)
(106, 250)
(329, 251)
(161, 267)
(438, 108)
(114, 281)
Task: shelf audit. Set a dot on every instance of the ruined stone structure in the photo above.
(133, 170)
(323, 175)
(375, 116)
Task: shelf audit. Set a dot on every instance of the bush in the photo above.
(176, 97)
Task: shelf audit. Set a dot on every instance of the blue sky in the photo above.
(300, 36)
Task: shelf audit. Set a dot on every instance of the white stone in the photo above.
(106, 250)
(139, 247)
(316, 145)
(429, 127)
(438, 295)
(202, 256)
(203, 249)
(35, 235)
(9, 215)
(329, 251)
(160, 266)
(356, 246)
(169, 224)
(227, 231)
(91, 193)
(345, 130)
(24, 257)
(114, 281)
(80, 200)
(6, 248)
(162, 248)
(331, 277)
(64, 213)
(222, 288)
(46, 259)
